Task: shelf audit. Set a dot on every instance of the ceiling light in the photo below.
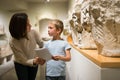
(48, 0)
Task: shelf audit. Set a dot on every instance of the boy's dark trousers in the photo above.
(55, 78)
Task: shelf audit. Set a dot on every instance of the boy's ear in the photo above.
(59, 31)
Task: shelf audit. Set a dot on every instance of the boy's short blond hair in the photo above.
(58, 24)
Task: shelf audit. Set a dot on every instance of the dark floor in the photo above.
(7, 72)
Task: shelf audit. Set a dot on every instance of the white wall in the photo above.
(71, 6)
(37, 12)
(4, 20)
(110, 74)
(47, 10)
(81, 68)
(40, 11)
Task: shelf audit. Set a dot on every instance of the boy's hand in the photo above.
(56, 58)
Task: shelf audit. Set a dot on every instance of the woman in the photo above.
(23, 43)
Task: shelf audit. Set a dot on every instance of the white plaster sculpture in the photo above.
(5, 51)
(87, 41)
(76, 29)
(105, 19)
(81, 28)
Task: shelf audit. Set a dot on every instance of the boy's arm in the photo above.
(64, 58)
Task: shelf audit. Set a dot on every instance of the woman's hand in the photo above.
(41, 61)
(38, 60)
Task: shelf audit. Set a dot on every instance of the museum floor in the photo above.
(9, 72)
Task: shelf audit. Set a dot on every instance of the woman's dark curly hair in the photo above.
(18, 25)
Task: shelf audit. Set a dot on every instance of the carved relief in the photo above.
(99, 25)
(74, 32)
(105, 19)
(76, 22)
(87, 41)
(81, 27)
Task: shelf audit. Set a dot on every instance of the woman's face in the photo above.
(28, 26)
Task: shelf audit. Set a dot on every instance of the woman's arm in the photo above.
(20, 57)
(38, 39)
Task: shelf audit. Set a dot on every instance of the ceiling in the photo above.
(12, 5)
(45, 0)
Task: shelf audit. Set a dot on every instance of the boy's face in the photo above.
(52, 31)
